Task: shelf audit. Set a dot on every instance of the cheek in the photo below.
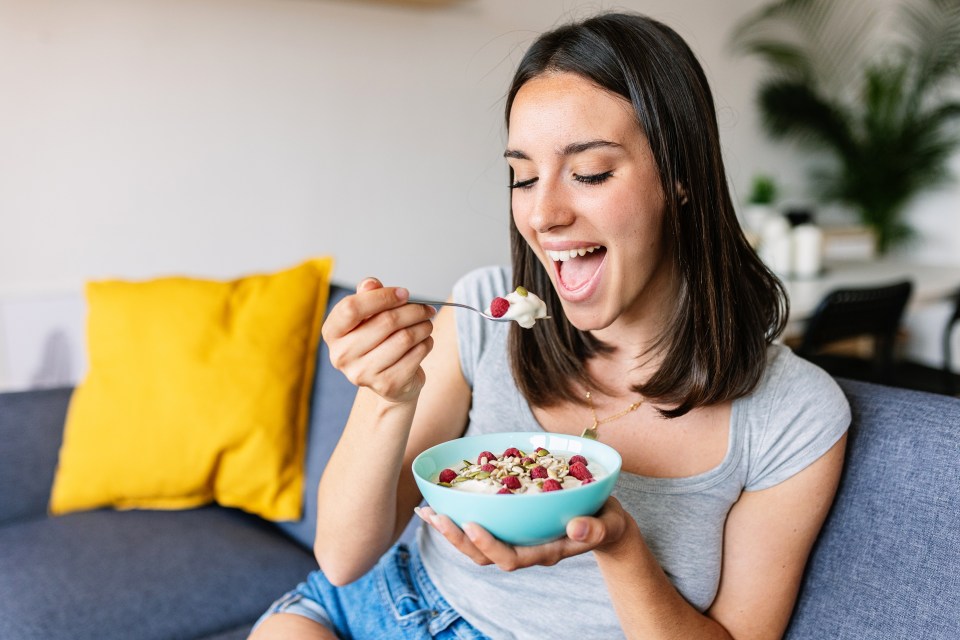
(522, 221)
(520, 218)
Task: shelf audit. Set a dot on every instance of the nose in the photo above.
(551, 208)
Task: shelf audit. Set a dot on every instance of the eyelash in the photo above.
(523, 184)
(597, 178)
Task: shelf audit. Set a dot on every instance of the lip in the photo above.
(568, 245)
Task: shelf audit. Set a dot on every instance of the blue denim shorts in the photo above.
(395, 599)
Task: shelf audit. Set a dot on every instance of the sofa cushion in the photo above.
(886, 563)
(31, 424)
(330, 406)
(198, 392)
(143, 574)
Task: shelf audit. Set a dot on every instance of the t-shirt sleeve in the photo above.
(477, 288)
(803, 414)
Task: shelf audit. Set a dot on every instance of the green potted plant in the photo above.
(759, 206)
(877, 105)
(764, 190)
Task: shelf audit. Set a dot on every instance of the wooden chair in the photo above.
(843, 314)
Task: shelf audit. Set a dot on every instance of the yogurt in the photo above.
(525, 308)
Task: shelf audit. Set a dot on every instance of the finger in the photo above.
(398, 345)
(402, 377)
(503, 555)
(360, 322)
(347, 314)
(453, 534)
(606, 526)
(369, 284)
(510, 558)
(376, 348)
(590, 531)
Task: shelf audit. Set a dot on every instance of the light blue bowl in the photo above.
(523, 519)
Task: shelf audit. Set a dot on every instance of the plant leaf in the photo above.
(794, 110)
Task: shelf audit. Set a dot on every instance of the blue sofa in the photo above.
(887, 564)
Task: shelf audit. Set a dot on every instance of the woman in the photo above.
(662, 329)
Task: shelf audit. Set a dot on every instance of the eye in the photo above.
(596, 178)
(523, 184)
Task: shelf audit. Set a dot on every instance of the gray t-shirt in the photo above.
(793, 417)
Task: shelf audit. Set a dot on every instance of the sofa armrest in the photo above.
(31, 429)
(885, 563)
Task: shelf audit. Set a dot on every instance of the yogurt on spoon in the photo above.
(521, 306)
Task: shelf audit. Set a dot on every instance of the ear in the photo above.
(682, 194)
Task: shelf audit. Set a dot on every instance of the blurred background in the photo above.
(218, 138)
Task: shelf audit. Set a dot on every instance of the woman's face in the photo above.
(587, 199)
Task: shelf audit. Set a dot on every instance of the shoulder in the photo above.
(791, 381)
(797, 412)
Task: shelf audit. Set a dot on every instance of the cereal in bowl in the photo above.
(517, 472)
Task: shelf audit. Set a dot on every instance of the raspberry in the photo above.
(550, 485)
(527, 460)
(577, 458)
(538, 472)
(499, 306)
(485, 454)
(588, 481)
(447, 475)
(488, 468)
(505, 490)
(510, 482)
(511, 452)
(579, 471)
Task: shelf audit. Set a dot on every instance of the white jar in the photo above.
(776, 245)
(807, 251)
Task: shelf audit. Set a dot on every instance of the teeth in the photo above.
(563, 256)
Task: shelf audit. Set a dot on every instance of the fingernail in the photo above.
(402, 293)
(579, 530)
(416, 510)
(367, 283)
(470, 531)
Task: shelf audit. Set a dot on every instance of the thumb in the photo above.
(369, 284)
(590, 530)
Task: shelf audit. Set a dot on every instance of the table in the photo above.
(931, 283)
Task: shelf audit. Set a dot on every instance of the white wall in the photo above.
(221, 137)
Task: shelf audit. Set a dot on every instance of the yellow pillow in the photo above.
(197, 392)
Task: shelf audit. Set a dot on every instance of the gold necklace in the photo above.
(592, 432)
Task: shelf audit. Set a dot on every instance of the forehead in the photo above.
(570, 107)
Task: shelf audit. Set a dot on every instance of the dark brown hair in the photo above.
(729, 306)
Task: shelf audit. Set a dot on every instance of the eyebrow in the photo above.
(571, 149)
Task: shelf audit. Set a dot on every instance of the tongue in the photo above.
(575, 273)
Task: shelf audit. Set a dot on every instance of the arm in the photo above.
(767, 539)
(407, 401)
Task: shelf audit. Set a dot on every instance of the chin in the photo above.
(586, 318)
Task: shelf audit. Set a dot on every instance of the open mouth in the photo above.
(576, 267)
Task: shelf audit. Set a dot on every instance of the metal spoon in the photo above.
(434, 303)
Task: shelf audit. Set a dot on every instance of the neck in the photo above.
(616, 374)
